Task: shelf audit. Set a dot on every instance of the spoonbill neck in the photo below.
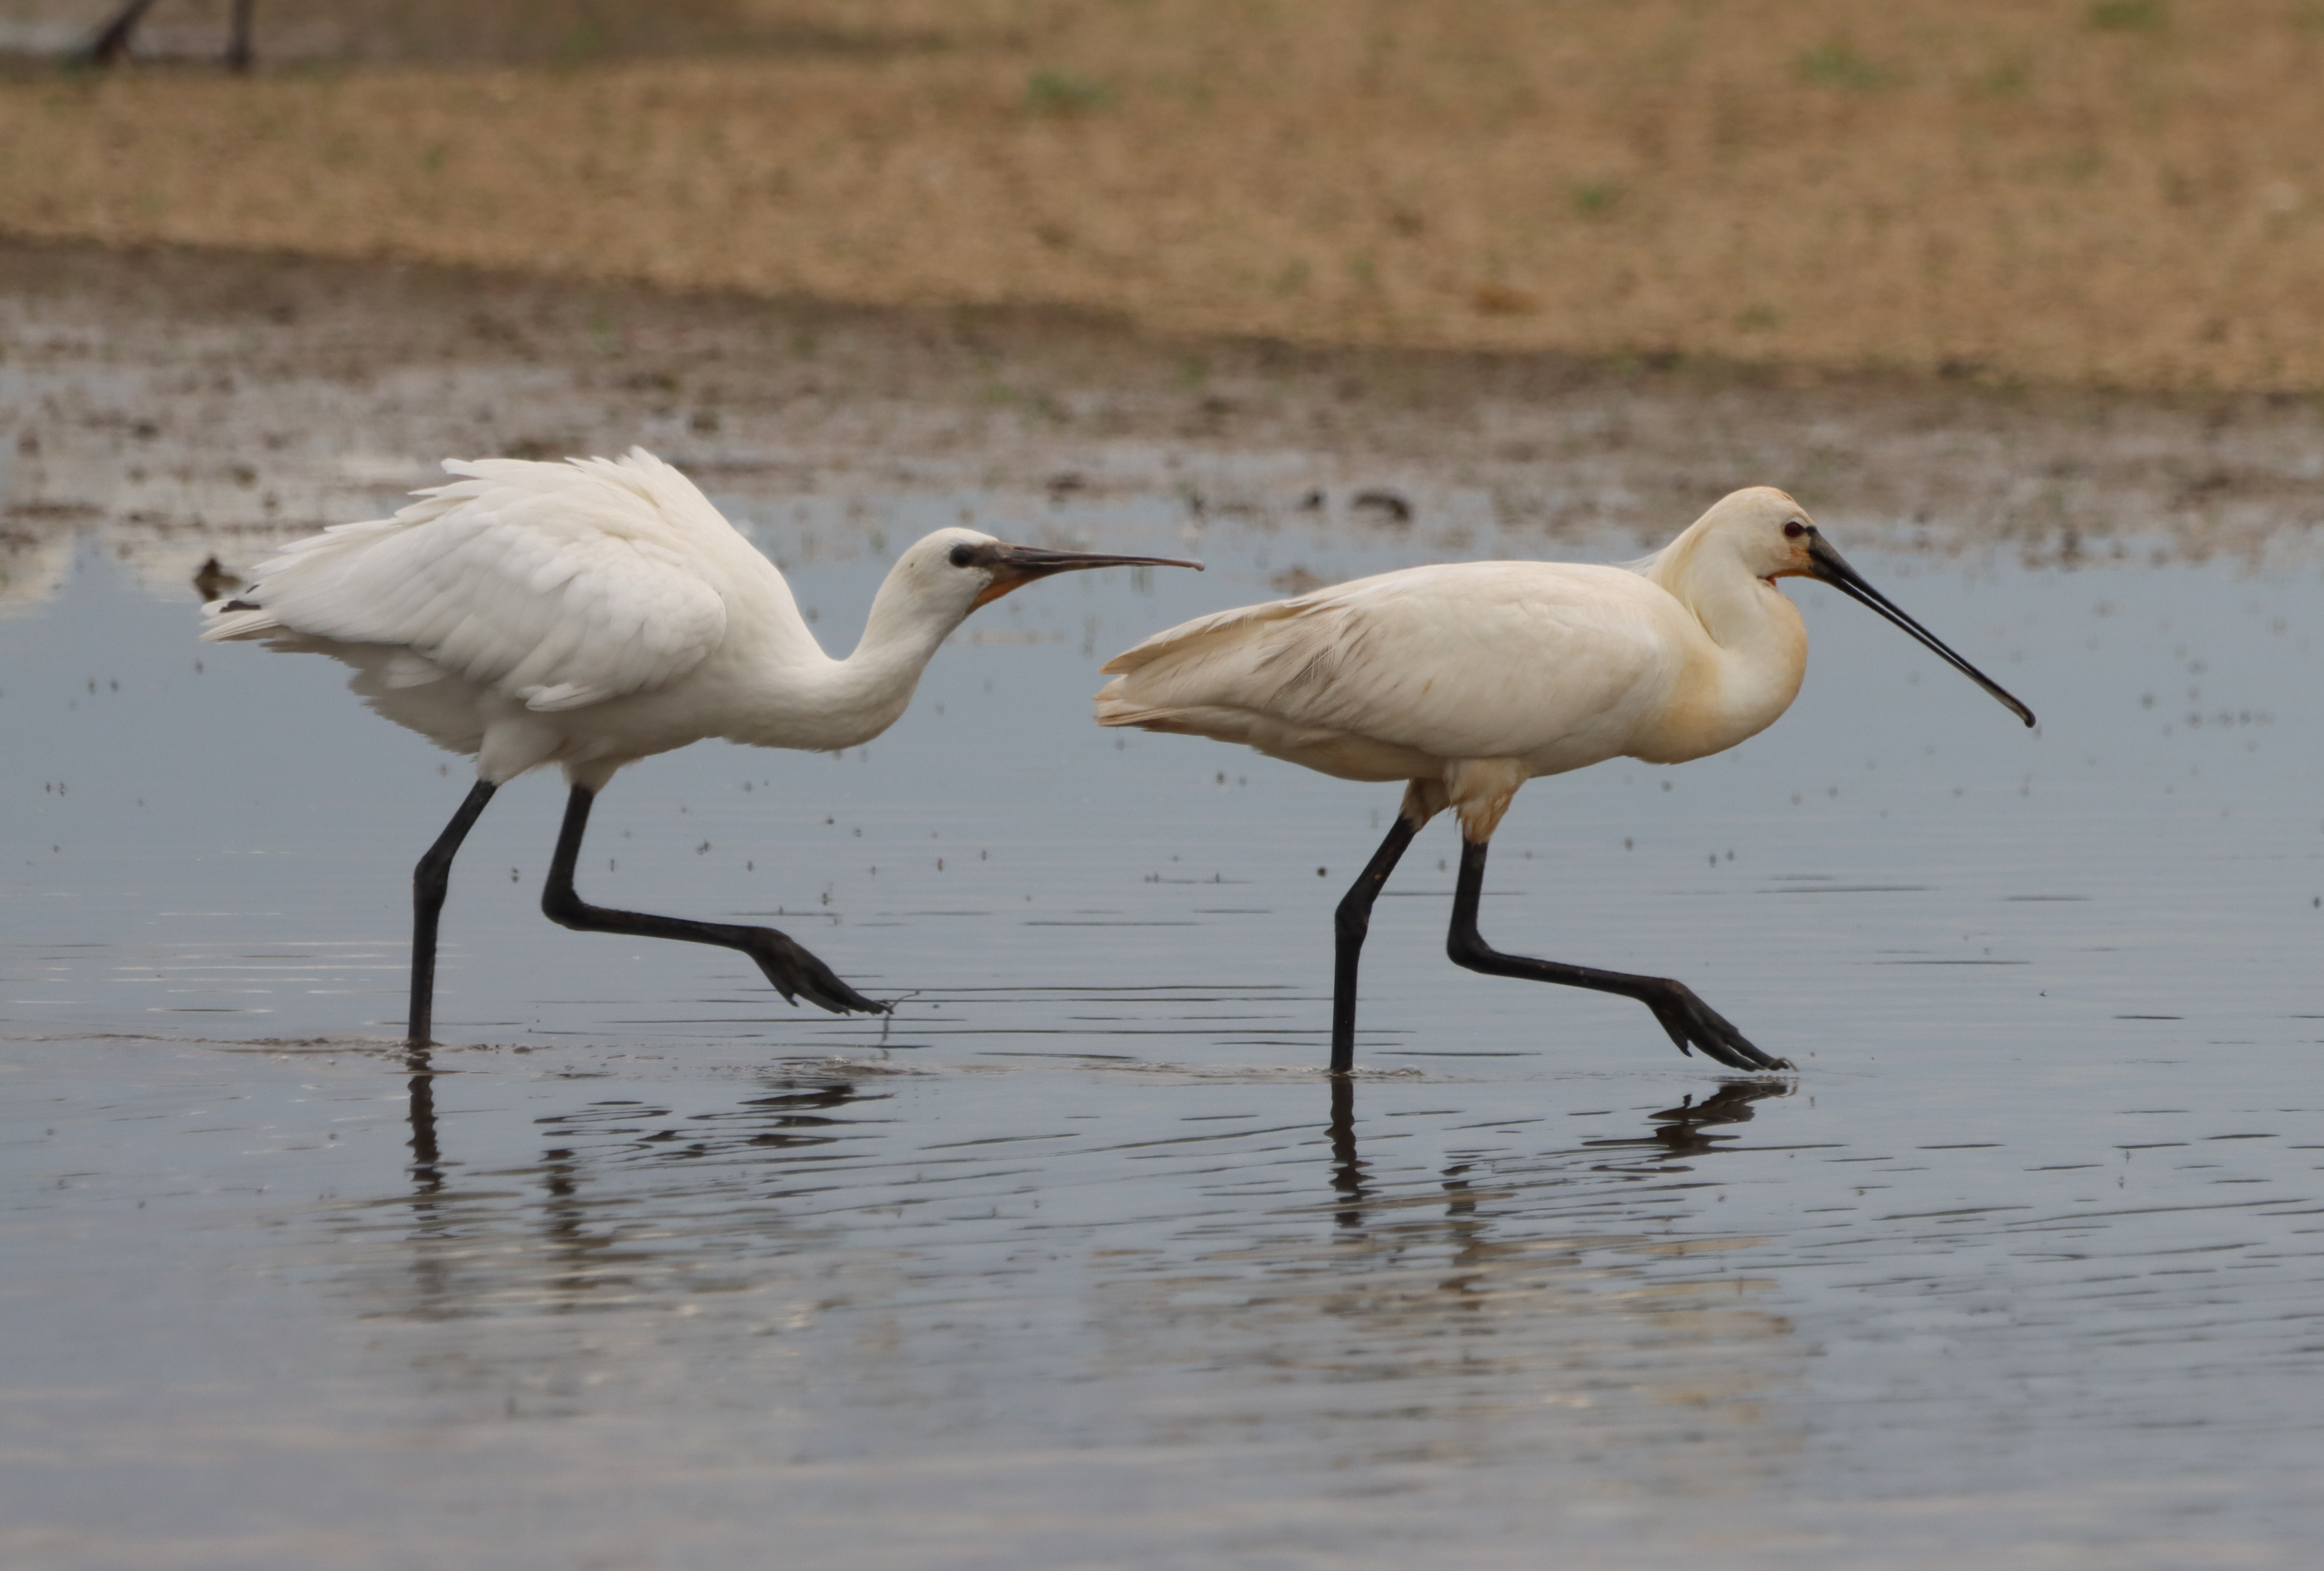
(900, 637)
(1744, 651)
(822, 703)
(1738, 610)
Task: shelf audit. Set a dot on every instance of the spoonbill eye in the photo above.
(1795, 529)
(962, 556)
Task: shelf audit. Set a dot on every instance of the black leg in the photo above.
(238, 52)
(1691, 1023)
(1349, 923)
(430, 880)
(111, 43)
(795, 973)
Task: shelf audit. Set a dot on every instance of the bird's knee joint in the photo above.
(562, 905)
(1468, 950)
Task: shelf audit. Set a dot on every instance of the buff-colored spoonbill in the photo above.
(592, 613)
(1467, 679)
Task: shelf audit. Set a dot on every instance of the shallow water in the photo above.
(1078, 1260)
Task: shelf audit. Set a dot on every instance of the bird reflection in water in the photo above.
(1687, 1130)
(582, 1253)
(1347, 1166)
(432, 1279)
(426, 1160)
(1503, 1304)
(780, 1120)
(1513, 1302)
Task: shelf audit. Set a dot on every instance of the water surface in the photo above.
(1078, 1260)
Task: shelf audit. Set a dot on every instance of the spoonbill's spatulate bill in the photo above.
(1466, 680)
(596, 612)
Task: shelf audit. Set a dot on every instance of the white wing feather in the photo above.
(1483, 660)
(560, 585)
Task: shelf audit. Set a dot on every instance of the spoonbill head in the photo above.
(593, 613)
(1466, 680)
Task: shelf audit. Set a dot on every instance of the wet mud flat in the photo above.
(1078, 1260)
(183, 402)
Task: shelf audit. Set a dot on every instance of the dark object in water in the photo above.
(213, 581)
(1396, 507)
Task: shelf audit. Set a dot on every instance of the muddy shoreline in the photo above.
(187, 402)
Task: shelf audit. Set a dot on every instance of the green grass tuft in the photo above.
(1598, 195)
(1837, 64)
(2130, 15)
(1055, 92)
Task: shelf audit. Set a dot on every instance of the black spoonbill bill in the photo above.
(1467, 679)
(593, 613)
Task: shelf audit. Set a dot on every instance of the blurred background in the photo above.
(2113, 192)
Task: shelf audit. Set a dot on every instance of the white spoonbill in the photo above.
(1467, 679)
(593, 613)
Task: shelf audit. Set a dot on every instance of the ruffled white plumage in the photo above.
(557, 586)
(599, 611)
